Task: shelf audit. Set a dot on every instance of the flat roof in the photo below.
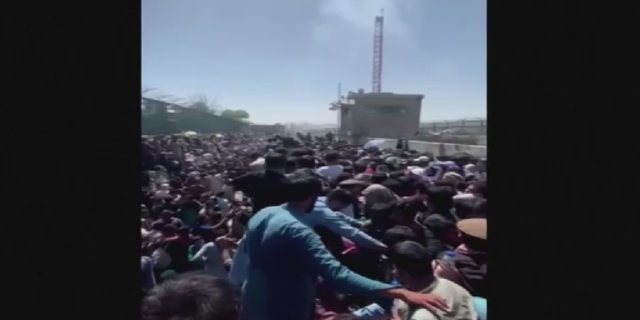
(374, 95)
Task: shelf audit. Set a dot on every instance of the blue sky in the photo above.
(281, 60)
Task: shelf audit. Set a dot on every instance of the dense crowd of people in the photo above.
(264, 227)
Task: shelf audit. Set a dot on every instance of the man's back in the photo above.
(275, 277)
(460, 301)
(265, 187)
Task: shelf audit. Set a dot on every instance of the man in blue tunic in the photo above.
(286, 257)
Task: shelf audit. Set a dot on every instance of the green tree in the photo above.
(235, 114)
(205, 104)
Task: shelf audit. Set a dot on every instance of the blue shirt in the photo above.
(347, 211)
(340, 224)
(481, 307)
(240, 265)
(337, 222)
(286, 257)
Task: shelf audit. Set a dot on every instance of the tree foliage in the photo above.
(235, 114)
(205, 104)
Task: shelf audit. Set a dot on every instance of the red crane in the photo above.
(377, 53)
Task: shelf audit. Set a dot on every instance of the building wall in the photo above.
(374, 117)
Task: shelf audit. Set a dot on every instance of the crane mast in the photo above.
(377, 53)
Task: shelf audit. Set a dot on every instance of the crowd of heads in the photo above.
(200, 192)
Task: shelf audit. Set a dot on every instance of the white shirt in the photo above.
(459, 300)
(212, 260)
(257, 165)
(331, 172)
(464, 198)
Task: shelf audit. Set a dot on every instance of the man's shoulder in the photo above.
(322, 213)
(280, 221)
(265, 213)
(423, 314)
(271, 175)
(446, 287)
(273, 215)
(408, 313)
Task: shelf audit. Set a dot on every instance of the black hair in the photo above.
(290, 164)
(413, 203)
(405, 208)
(480, 208)
(282, 151)
(420, 187)
(167, 228)
(306, 161)
(398, 187)
(332, 156)
(397, 174)
(480, 187)
(275, 161)
(398, 234)
(412, 258)
(300, 186)
(339, 178)
(191, 297)
(440, 199)
(340, 195)
(379, 178)
(439, 225)
(359, 167)
(298, 152)
(183, 231)
(464, 210)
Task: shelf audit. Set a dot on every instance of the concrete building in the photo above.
(378, 115)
